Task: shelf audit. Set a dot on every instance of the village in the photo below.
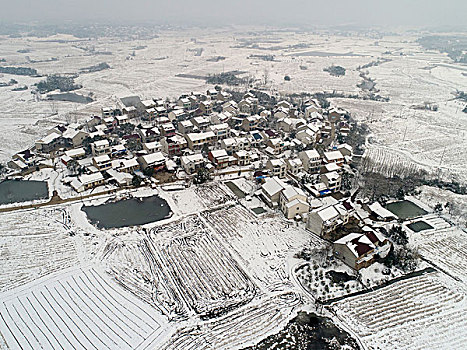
(294, 160)
(226, 204)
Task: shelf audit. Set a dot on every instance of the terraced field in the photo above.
(262, 244)
(79, 309)
(183, 270)
(247, 324)
(426, 312)
(33, 244)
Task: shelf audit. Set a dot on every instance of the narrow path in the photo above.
(388, 283)
(56, 199)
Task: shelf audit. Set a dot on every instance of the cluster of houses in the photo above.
(290, 150)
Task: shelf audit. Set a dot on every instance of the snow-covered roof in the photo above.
(102, 159)
(101, 143)
(219, 153)
(333, 155)
(87, 179)
(49, 138)
(154, 158)
(76, 152)
(272, 186)
(311, 154)
(328, 213)
(222, 126)
(152, 145)
(277, 162)
(121, 178)
(380, 211)
(332, 176)
(200, 136)
(296, 202)
(186, 123)
(290, 192)
(358, 243)
(195, 158)
(332, 167)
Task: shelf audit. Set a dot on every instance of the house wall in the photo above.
(343, 253)
(315, 224)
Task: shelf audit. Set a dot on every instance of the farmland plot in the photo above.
(77, 309)
(200, 197)
(213, 194)
(206, 276)
(425, 312)
(446, 248)
(34, 244)
(181, 268)
(247, 324)
(263, 244)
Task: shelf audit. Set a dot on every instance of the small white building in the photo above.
(271, 190)
(293, 202)
(311, 160)
(191, 163)
(153, 160)
(277, 167)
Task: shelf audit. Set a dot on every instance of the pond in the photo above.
(128, 212)
(258, 210)
(13, 191)
(419, 226)
(234, 188)
(308, 331)
(405, 209)
(70, 97)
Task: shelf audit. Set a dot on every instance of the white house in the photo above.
(277, 167)
(271, 190)
(311, 160)
(293, 202)
(153, 160)
(192, 163)
(294, 165)
(325, 220)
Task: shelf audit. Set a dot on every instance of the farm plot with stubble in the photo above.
(182, 269)
(424, 312)
(262, 244)
(445, 247)
(78, 309)
(33, 244)
(245, 325)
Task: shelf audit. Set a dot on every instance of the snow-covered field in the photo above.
(425, 312)
(241, 328)
(76, 309)
(34, 243)
(412, 76)
(263, 244)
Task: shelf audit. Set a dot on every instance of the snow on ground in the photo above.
(79, 309)
(457, 203)
(34, 243)
(245, 326)
(425, 312)
(445, 246)
(263, 244)
(182, 269)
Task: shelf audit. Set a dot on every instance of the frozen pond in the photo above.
(70, 97)
(128, 212)
(405, 209)
(13, 191)
(308, 331)
(258, 210)
(419, 226)
(234, 188)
